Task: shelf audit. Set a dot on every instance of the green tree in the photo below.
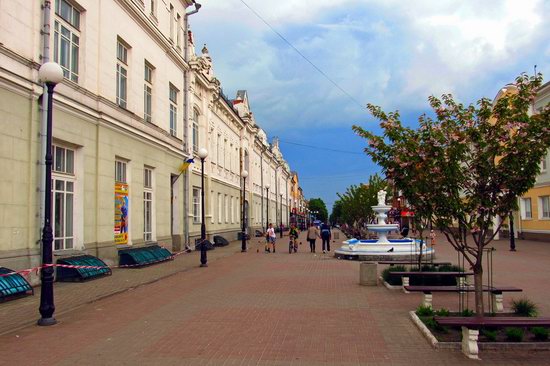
(466, 166)
(336, 214)
(317, 204)
(356, 202)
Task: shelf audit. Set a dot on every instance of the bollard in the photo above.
(368, 273)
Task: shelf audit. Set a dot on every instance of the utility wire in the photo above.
(302, 55)
(322, 148)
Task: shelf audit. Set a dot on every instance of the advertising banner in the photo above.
(121, 213)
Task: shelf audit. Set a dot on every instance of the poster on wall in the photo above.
(121, 213)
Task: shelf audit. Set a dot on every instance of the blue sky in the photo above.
(392, 53)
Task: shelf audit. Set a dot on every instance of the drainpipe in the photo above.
(262, 184)
(276, 195)
(287, 203)
(185, 147)
(45, 57)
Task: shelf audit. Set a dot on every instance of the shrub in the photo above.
(442, 312)
(424, 311)
(540, 333)
(451, 268)
(433, 324)
(490, 334)
(524, 307)
(393, 279)
(514, 334)
(467, 312)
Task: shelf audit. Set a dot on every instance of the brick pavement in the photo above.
(68, 296)
(259, 309)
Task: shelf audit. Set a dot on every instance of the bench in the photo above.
(496, 292)
(406, 275)
(406, 263)
(471, 325)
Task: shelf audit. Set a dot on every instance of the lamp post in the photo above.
(203, 153)
(267, 209)
(243, 236)
(51, 74)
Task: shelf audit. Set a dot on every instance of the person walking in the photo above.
(325, 236)
(432, 237)
(312, 235)
(271, 238)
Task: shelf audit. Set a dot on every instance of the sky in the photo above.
(340, 55)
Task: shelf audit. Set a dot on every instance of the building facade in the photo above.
(533, 218)
(136, 102)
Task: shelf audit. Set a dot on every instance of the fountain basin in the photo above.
(379, 228)
(391, 250)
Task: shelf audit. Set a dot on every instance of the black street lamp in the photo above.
(203, 153)
(267, 209)
(51, 74)
(243, 236)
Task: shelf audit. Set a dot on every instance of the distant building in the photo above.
(534, 213)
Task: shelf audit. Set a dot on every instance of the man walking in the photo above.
(325, 236)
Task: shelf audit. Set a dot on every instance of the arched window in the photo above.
(195, 128)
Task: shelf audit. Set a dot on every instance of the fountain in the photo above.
(383, 248)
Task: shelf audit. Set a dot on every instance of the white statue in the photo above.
(381, 197)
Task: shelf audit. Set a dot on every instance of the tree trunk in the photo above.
(478, 286)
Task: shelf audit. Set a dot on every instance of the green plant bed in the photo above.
(487, 335)
(391, 279)
(396, 280)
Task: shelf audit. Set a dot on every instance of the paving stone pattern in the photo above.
(251, 309)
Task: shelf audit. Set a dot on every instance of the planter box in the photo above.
(519, 346)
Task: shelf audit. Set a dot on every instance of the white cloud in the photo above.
(390, 52)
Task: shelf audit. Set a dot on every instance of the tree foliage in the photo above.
(467, 165)
(317, 204)
(355, 204)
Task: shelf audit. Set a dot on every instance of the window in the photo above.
(226, 208)
(220, 208)
(63, 190)
(544, 207)
(147, 204)
(63, 160)
(196, 205)
(148, 93)
(178, 31)
(218, 149)
(224, 153)
(173, 96)
(543, 164)
(122, 75)
(195, 131)
(67, 38)
(211, 206)
(120, 171)
(172, 27)
(230, 154)
(525, 209)
(232, 210)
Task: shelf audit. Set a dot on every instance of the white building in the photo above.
(130, 111)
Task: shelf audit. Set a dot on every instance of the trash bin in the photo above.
(368, 274)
